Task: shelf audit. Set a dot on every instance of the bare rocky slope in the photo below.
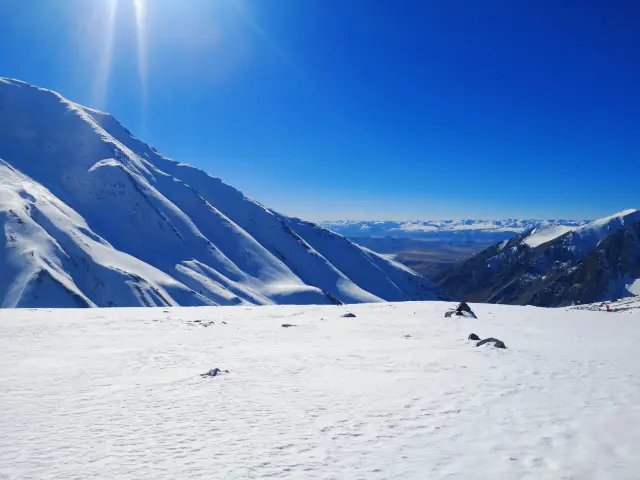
(555, 265)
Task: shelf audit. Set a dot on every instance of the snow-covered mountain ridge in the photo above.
(555, 266)
(92, 216)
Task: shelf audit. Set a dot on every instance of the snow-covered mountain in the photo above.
(92, 216)
(553, 265)
(417, 229)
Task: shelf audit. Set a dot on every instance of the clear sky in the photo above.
(362, 109)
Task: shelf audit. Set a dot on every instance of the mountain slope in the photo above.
(106, 221)
(554, 267)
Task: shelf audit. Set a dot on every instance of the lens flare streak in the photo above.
(140, 8)
(103, 72)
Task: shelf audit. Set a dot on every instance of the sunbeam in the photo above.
(103, 72)
(141, 12)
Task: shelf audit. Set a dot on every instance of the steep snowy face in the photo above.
(546, 233)
(96, 215)
(555, 266)
(50, 257)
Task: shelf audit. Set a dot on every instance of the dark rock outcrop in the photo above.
(213, 372)
(496, 343)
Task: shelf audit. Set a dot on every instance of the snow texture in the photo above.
(546, 233)
(92, 216)
(397, 392)
(634, 287)
(588, 236)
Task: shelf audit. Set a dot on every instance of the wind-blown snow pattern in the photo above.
(546, 233)
(92, 216)
(398, 392)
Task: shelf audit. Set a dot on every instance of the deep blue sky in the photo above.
(369, 109)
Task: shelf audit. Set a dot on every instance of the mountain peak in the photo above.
(555, 266)
(624, 214)
(90, 210)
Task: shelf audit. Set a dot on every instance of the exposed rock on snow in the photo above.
(496, 343)
(214, 372)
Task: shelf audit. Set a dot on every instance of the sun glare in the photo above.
(141, 12)
(103, 72)
(107, 49)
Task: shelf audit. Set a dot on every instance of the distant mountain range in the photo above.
(555, 265)
(92, 216)
(429, 228)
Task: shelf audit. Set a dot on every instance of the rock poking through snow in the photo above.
(213, 372)
(496, 343)
(462, 310)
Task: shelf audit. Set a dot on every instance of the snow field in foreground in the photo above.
(397, 392)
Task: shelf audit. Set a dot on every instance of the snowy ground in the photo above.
(397, 392)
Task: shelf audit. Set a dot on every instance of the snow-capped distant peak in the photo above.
(630, 214)
(426, 228)
(592, 233)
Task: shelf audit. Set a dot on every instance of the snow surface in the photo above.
(634, 287)
(546, 233)
(627, 305)
(397, 392)
(92, 216)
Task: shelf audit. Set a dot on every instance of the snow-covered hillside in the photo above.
(91, 216)
(396, 392)
(555, 265)
(417, 229)
(627, 304)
